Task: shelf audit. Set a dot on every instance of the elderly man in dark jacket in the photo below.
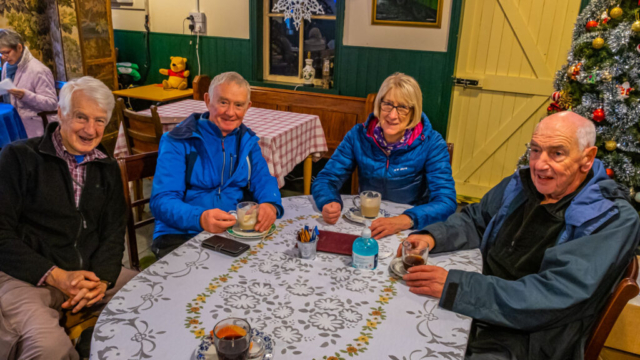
(556, 238)
(62, 222)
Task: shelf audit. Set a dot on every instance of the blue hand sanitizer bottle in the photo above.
(365, 251)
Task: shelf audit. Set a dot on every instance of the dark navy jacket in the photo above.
(418, 175)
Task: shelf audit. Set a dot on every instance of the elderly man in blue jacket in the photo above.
(207, 165)
(555, 237)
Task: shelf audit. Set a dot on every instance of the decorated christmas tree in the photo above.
(600, 80)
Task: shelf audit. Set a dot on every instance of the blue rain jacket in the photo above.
(418, 175)
(223, 173)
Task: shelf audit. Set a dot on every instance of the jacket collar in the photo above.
(596, 198)
(426, 129)
(46, 145)
(26, 57)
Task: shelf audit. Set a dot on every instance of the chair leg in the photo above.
(137, 195)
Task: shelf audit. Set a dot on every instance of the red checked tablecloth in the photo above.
(286, 138)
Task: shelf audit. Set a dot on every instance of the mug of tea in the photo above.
(414, 254)
(369, 203)
(232, 339)
(247, 214)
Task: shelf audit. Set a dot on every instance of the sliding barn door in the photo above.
(513, 49)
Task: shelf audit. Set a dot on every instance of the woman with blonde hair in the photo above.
(399, 155)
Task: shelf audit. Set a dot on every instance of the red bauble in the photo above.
(592, 25)
(610, 173)
(556, 96)
(598, 115)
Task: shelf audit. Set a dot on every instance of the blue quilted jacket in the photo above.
(419, 174)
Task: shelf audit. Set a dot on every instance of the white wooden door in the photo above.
(513, 48)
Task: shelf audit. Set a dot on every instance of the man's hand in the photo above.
(331, 212)
(426, 280)
(267, 215)
(18, 93)
(419, 241)
(216, 221)
(86, 297)
(382, 227)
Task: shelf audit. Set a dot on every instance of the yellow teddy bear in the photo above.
(177, 74)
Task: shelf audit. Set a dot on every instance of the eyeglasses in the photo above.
(6, 53)
(401, 109)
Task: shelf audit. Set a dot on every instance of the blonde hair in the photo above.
(409, 93)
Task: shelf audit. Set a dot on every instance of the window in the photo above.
(286, 48)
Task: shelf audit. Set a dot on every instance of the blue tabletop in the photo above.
(11, 127)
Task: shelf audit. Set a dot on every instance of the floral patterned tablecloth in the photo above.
(319, 309)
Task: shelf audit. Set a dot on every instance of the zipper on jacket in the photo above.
(83, 225)
(231, 165)
(224, 158)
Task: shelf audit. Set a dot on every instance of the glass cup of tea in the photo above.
(414, 254)
(247, 214)
(369, 203)
(232, 339)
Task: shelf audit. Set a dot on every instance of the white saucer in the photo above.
(353, 214)
(262, 347)
(396, 267)
(235, 231)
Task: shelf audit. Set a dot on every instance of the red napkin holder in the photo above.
(336, 243)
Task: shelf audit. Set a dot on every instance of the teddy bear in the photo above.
(177, 74)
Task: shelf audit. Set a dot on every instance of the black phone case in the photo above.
(225, 246)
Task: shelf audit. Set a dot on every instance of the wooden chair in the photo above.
(136, 168)
(143, 134)
(200, 86)
(626, 290)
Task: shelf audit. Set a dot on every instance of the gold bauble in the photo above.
(606, 76)
(616, 12)
(570, 70)
(610, 145)
(598, 43)
(636, 26)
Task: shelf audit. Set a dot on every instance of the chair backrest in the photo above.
(143, 133)
(200, 86)
(45, 114)
(132, 168)
(626, 290)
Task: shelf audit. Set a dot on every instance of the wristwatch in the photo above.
(411, 222)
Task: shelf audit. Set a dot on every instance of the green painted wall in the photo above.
(216, 54)
(358, 72)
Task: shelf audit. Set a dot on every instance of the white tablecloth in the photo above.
(320, 309)
(286, 138)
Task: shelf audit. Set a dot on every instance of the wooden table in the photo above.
(154, 93)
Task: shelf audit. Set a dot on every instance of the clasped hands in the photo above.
(83, 288)
(216, 220)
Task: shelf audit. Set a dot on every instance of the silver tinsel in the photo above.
(618, 37)
(624, 170)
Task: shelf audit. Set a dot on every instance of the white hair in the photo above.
(91, 87)
(230, 77)
(10, 39)
(586, 135)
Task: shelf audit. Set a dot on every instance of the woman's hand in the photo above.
(18, 93)
(382, 227)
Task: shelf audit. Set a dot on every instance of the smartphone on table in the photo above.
(225, 245)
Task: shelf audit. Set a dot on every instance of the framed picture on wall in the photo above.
(425, 13)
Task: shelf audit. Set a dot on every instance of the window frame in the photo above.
(266, 46)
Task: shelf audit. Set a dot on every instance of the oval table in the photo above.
(318, 309)
(11, 127)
